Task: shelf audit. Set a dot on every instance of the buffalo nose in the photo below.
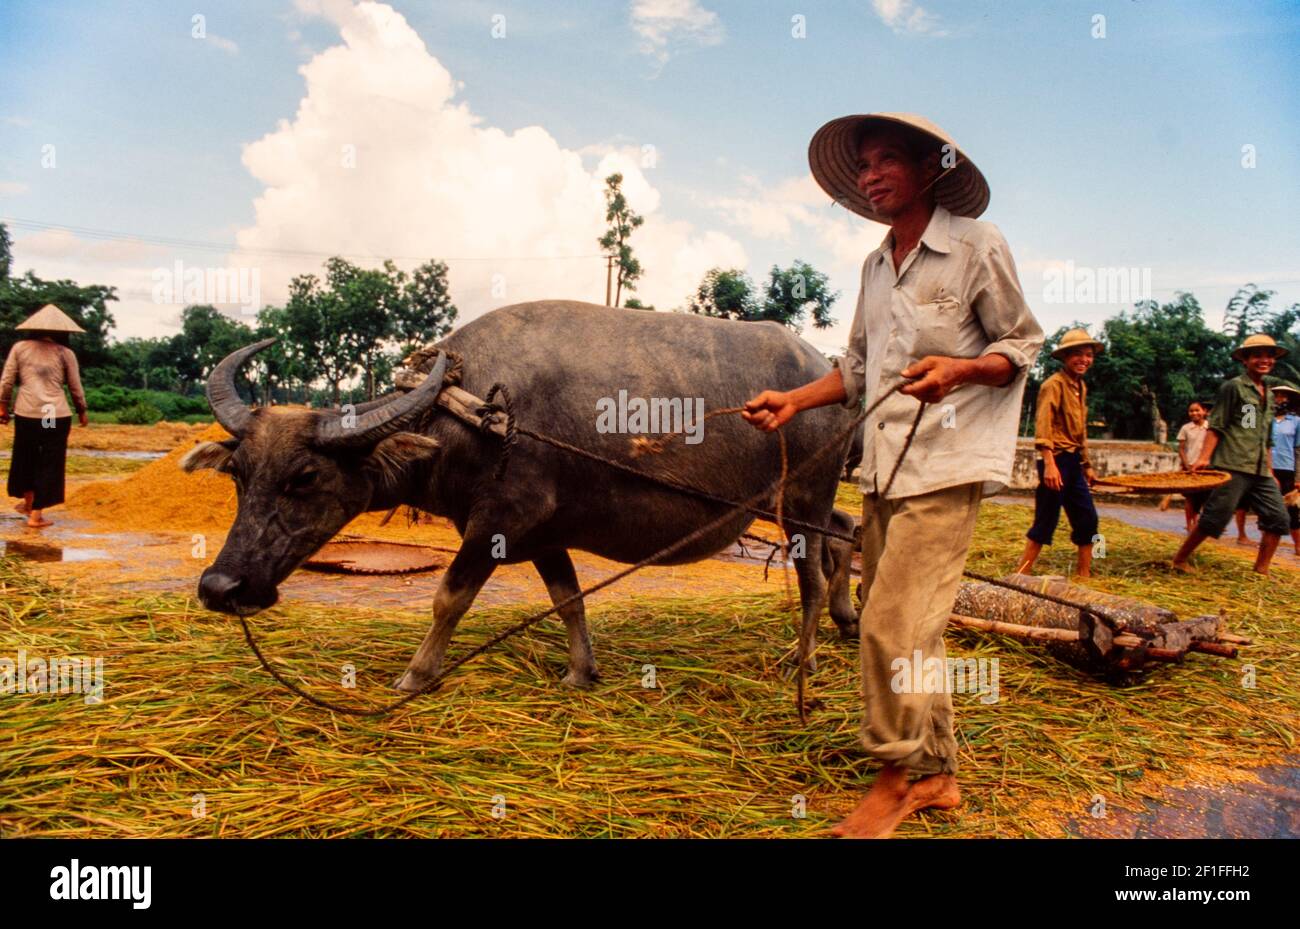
(215, 589)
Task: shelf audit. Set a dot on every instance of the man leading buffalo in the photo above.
(940, 306)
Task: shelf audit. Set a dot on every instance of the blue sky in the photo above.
(1122, 151)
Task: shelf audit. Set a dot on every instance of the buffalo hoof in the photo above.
(792, 662)
(411, 682)
(581, 681)
(848, 631)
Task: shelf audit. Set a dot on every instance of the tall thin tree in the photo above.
(622, 221)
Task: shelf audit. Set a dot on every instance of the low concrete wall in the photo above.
(1109, 456)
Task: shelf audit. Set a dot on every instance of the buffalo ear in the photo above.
(391, 457)
(208, 455)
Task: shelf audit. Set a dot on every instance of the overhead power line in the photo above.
(110, 235)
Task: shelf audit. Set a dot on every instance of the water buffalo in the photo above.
(302, 475)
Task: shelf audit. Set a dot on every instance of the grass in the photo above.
(716, 749)
(90, 466)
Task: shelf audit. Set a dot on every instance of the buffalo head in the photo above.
(300, 476)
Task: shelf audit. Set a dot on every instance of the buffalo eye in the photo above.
(302, 481)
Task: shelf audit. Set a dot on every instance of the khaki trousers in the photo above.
(913, 553)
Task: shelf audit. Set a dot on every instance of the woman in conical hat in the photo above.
(40, 365)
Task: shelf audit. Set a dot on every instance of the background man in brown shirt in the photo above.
(1061, 439)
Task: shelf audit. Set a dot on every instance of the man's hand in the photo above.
(770, 410)
(1052, 475)
(935, 377)
(4, 415)
(82, 418)
(1201, 463)
(1090, 476)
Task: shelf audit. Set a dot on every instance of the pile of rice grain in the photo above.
(160, 496)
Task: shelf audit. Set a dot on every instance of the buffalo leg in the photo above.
(465, 576)
(556, 569)
(839, 563)
(812, 592)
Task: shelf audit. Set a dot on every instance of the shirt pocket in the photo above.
(938, 327)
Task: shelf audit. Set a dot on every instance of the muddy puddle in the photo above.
(40, 552)
(99, 453)
(1268, 808)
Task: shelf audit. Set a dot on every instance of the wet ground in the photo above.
(138, 562)
(1170, 521)
(100, 453)
(1267, 808)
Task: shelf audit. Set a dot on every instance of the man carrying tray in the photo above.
(939, 303)
(1241, 431)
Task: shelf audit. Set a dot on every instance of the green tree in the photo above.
(317, 324)
(147, 364)
(727, 294)
(20, 297)
(1158, 358)
(788, 298)
(360, 320)
(427, 314)
(1249, 312)
(284, 362)
(796, 291)
(207, 335)
(622, 221)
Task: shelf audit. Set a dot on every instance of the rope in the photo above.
(776, 487)
(488, 411)
(486, 415)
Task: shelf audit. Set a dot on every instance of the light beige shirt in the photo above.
(955, 294)
(40, 369)
(1194, 436)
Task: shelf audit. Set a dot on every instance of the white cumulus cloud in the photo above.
(907, 16)
(665, 24)
(383, 159)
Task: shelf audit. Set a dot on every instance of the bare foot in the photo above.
(891, 800)
(1182, 567)
(38, 523)
(23, 508)
(1245, 540)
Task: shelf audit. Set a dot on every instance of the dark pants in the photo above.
(1286, 483)
(1258, 492)
(1074, 495)
(39, 456)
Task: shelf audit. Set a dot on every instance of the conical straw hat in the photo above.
(50, 318)
(961, 188)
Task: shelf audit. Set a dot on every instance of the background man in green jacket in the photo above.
(1239, 442)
